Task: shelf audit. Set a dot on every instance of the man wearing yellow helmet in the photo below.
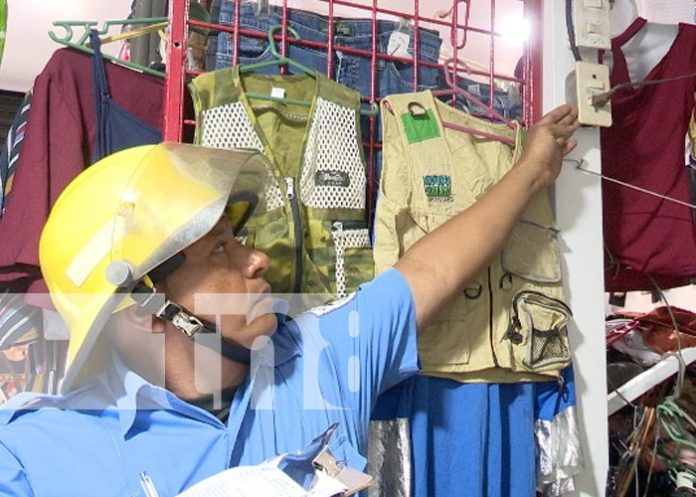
(142, 253)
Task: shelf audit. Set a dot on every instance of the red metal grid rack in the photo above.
(459, 25)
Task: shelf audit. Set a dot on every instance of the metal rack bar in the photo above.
(530, 82)
(175, 76)
(533, 77)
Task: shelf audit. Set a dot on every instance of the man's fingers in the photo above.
(558, 114)
(567, 125)
(570, 118)
(569, 146)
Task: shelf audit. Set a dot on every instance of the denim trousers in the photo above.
(505, 103)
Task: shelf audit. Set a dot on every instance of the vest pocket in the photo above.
(532, 253)
(354, 263)
(537, 333)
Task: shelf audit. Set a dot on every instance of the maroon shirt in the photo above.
(59, 142)
(645, 147)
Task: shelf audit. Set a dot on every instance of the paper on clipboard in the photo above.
(246, 481)
(260, 481)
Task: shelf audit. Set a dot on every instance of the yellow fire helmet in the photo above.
(128, 214)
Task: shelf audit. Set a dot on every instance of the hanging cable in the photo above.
(571, 30)
(678, 354)
(652, 459)
(601, 99)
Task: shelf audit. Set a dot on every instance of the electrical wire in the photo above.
(652, 460)
(579, 163)
(571, 30)
(679, 384)
(601, 99)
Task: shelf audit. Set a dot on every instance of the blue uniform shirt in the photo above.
(327, 366)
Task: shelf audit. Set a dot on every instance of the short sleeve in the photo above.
(372, 336)
(13, 479)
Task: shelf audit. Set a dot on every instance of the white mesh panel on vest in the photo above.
(229, 126)
(347, 239)
(333, 175)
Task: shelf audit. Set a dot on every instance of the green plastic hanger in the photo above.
(81, 43)
(281, 60)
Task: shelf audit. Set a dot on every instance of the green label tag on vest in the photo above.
(438, 187)
(420, 127)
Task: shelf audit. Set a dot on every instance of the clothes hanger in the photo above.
(417, 110)
(451, 67)
(282, 60)
(466, 129)
(134, 33)
(81, 43)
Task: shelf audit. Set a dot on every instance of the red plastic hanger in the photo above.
(452, 66)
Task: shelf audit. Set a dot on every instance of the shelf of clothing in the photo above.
(458, 22)
(634, 388)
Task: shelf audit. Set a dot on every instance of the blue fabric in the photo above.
(552, 398)
(99, 439)
(117, 128)
(507, 104)
(350, 70)
(474, 439)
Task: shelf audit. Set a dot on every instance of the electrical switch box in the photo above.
(592, 24)
(592, 80)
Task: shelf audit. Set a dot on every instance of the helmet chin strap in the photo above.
(184, 320)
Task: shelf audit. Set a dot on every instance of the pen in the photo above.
(148, 486)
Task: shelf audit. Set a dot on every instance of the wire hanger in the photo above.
(578, 165)
(282, 60)
(81, 43)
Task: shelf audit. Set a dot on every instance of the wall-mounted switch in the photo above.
(592, 80)
(592, 24)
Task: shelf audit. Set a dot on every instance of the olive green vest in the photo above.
(314, 227)
(509, 324)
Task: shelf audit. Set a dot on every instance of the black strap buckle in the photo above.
(181, 318)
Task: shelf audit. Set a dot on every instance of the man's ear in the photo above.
(158, 325)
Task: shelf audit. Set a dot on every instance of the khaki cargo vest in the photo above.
(314, 227)
(509, 324)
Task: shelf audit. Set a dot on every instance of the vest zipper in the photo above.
(490, 319)
(297, 224)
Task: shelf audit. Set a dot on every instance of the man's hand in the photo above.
(444, 261)
(548, 141)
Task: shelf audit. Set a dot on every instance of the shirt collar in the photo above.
(132, 392)
(121, 388)
(287, 341)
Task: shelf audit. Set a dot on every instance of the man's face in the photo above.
(228, 278)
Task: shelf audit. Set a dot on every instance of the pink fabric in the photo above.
(645, 147)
